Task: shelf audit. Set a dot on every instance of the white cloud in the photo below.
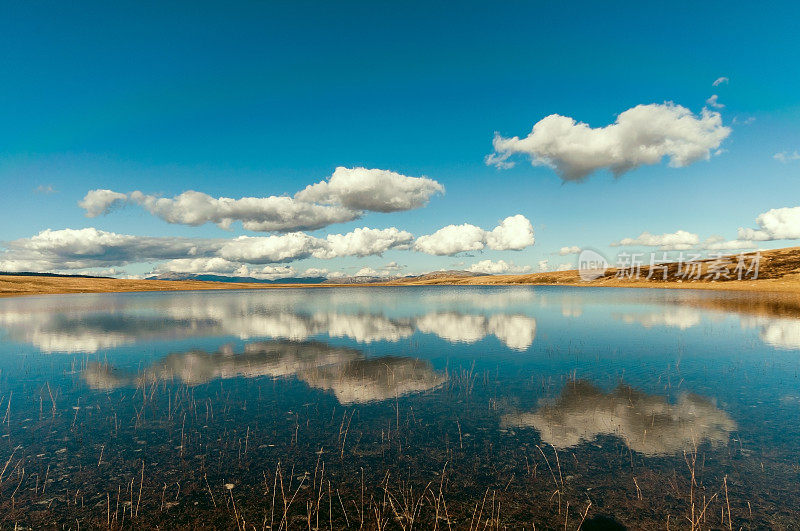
(775, 224)
(370, 272)
(452, 239)
(364, 242)
(371, 189)
(719, 81)
(315, 272)
(344, 197)
(543, 265)
(713, 100)
(644, 134)
(219, 266)
(270, 272)
(574, 249)
(69, 249)
(566, 266)
(213, 264)
(718, 243)
(513, 233)
(269, 249)
(496, 268)
(679, 240)
(298, 245)
(52, 250)
(265, 214)
(97, 202)
(786, 157)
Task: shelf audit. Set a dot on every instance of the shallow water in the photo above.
(469, 407)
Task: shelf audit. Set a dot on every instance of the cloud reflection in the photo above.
(648, 424)
(344, 371)
(91, 324)
(673, 316)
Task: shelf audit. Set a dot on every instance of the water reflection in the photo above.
(344, 371)
(95, 323)
(368, 380)
(780, 333)
(460, 361)
(673, 317)
(648, 424)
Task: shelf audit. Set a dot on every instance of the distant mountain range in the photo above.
(403, 279)
(315, 280)
(290, 280)
(33, 274)
(225, 278)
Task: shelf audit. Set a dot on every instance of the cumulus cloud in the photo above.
(497, 268)
(720, 80)
(364, 242)
(452, 239)
(264, 214)
(220, 266)
(775, 224)
(543, 265)
(97, 202)
(786, 157)
(574, 249)
(269, 272)
(298, 245)
(675, 241)
(269, 249)
(344, 197)
(642, 135)
(315, 272)
(85, 248)
(714, 102)
(718, 243)
(513, 233)
(213, 264)
(371, 189)
(370, 272)
(70, 249)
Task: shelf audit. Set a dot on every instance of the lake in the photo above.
(399, 408)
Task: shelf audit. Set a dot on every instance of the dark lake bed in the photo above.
(400, 408)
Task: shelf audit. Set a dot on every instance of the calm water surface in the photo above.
(400, 408)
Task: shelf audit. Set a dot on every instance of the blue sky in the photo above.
(261, 99)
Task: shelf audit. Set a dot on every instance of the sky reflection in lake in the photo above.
(622, 391)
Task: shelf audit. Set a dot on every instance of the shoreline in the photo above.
(22, 286)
